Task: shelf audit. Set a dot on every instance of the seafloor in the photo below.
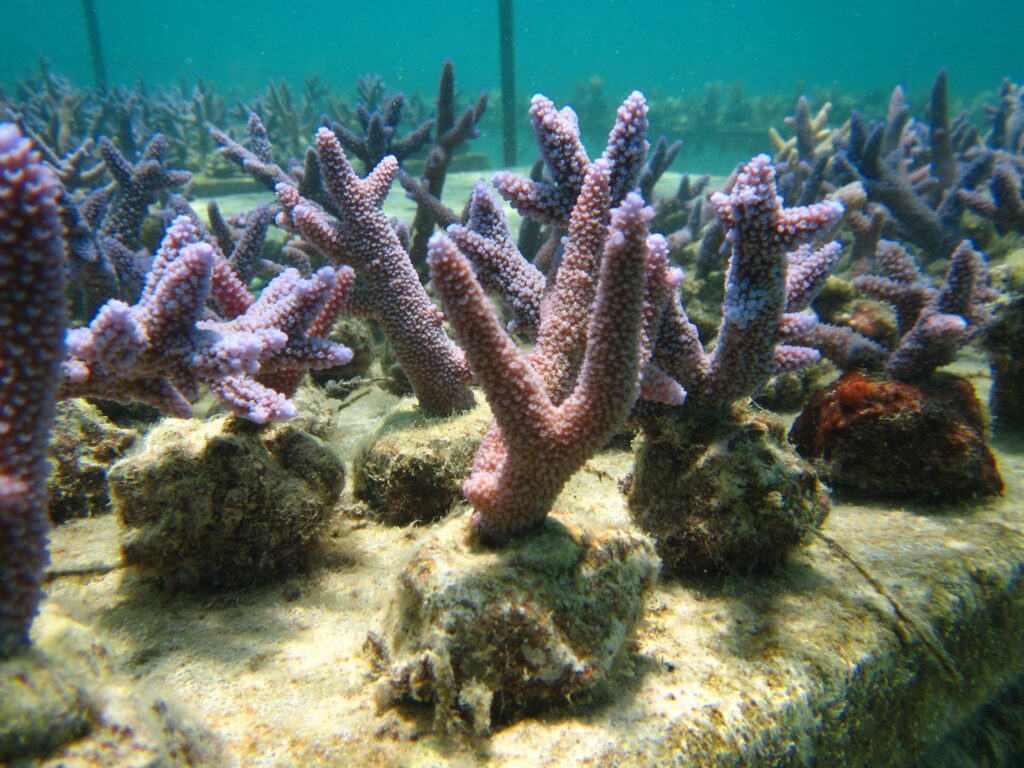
(806, 666)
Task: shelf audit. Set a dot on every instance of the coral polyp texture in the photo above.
(31, 349)
(933, 323)
(546, 423)
(389, 290)
(161, 349)
(766, 294)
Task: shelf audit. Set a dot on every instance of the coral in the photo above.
(772, 277)
(767, 291)
(918, 174)
(161, 349)
(355, 334)
(411, 469)
(134, 189)
(932, 323)
(555, 408)
(558, 138)
(449, 134)
(31, 348)
(380, 128)
(501, 269)
(730, 497)
(224, 503)
(389, 290)
(486, 636)
(1007, 130)
(83, 445)
(1005, 204)
(895, 439)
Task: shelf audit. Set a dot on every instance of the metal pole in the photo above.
(508, 81)
(92, 28)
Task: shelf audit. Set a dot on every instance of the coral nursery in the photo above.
(327, 439)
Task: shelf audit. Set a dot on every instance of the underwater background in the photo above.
(664, 48)
(704, 450)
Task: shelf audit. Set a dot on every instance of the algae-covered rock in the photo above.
(83, 445)
(316, 411)
(729, 495)
(486, 635)
(224, 503)
(62, 704)
(896, 439)
(786, 392)
(412, 467)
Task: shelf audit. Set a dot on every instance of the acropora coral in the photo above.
(31, 349)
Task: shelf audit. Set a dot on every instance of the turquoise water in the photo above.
(668, 49)
(663, 45)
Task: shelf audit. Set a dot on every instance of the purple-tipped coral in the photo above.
(766, 293)
(161, 349)
(915, 433)
(716, 485)
(555, 407)
(31, 348)
(558, 137)
(1005, 204)
(134, 188)
(389, 290)
(932, 323)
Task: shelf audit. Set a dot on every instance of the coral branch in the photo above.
(545, 426)
(390, 288)
(31, 348)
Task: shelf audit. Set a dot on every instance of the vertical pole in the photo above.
(92, 28)
(508, 81)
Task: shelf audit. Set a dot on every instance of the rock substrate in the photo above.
(479, 632)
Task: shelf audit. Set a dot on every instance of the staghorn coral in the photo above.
(915, 433)
(389, 290)
(1004, 205)
(917, 172)
(550, 416)
(161, 349)
(932, 323)
(767, 293)
(449, 134)
(708, 513)
(31, 347)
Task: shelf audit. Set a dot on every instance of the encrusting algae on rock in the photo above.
(224, 503)
(488, 635)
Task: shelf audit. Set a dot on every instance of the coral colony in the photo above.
(584, 328)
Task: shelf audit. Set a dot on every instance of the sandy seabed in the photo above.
(805, 666)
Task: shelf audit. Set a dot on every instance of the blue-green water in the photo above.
(666, 48)
(658, 45)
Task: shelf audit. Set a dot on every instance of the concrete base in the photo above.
(808, 666)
